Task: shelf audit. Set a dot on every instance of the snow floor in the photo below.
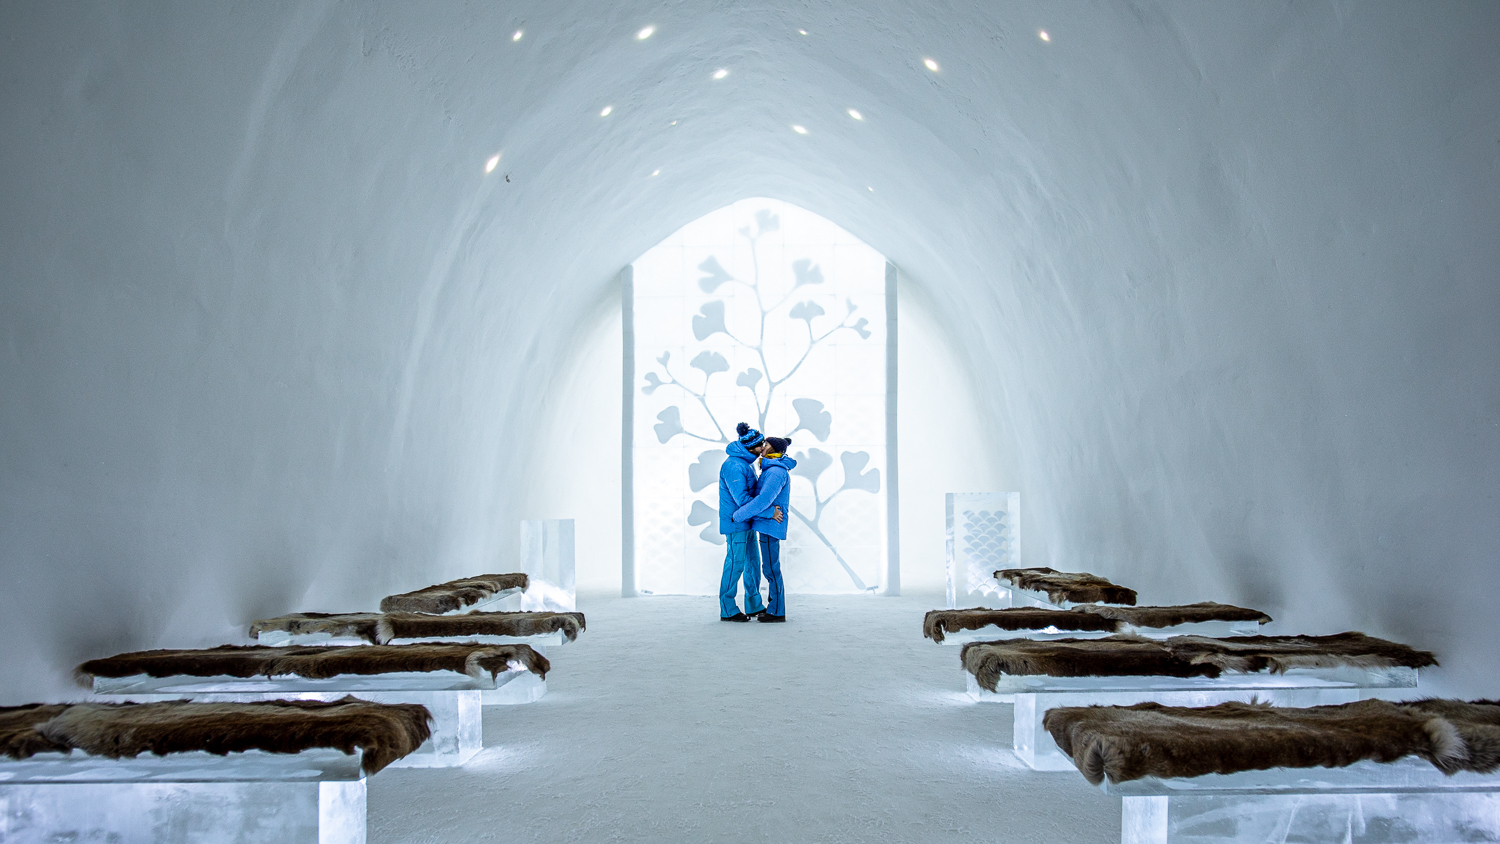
(662, 723)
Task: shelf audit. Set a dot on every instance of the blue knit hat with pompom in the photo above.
(749, 437)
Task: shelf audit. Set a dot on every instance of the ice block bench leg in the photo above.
(184, 812)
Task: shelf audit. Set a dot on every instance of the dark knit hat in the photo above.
(779, 445)
(749, 437)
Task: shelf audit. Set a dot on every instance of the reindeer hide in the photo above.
(385, 732)
(1156, 617)
(378, 628)
(1073, 587)
(939, 622)
(1150, 740)
(482, 662)
(1182, 656)
(453, 595)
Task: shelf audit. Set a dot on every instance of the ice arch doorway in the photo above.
(765, 313)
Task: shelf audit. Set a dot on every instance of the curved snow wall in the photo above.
(1223, 278)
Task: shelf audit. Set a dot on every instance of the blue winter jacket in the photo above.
(736, 487)
(773, 489)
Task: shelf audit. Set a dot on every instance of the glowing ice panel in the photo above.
(984, 535)
(765, 313)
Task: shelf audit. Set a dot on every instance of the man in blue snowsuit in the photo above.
(773, 497)
(741, 560)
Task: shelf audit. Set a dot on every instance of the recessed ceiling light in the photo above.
(803, 31)
(931, 65)
(604, 112)
(517, 36)
(856, 115)
(489, 166)
(656, 172)
(673, 123)
(801, 130)
(720, 73)
(872, 190)
(1044, 36)
(645, 33)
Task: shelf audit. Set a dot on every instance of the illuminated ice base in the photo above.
(1019, 597)
(1034, 696)
(527, 688)
(1365, 803)
(1216, 629)
(457, 726)
(506, 600)
(282, 639)
(314, 797)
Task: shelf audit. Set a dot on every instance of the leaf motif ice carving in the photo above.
(813, 464)
(717, 275)
(706, 470)
(709, 320)
(670, 424)
(855, 475)
(813, 418)
(748, 378)
(806, 272)
(710, 362)
(703, 514)
(807, 312)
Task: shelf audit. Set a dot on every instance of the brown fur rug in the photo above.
(937, 623)
(453, 595)
(385, 732)
(482, 662)
(1150, 740)
(378, 628)
(1155, 617)
(1074, 587)
(1182, 656)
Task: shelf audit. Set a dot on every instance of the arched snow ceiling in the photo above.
(1225, 275)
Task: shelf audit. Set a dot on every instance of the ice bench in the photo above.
(1371, 771)
(1182, 671)
(448, 679)
(982, 624)
(487, 592)
(174, 773)
(1044, 587)
(535, 629)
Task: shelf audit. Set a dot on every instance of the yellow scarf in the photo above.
(771, 456)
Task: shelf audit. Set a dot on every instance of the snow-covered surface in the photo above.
(664, 724)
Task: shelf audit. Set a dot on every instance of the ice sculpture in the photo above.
(984, 534)
(547, 560)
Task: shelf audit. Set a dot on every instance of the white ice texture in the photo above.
(547, 560)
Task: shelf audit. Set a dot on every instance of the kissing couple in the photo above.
(752, 517)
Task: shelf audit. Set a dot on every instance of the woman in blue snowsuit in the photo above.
(773, 494)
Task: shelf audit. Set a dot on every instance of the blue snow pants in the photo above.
(741, 562)
(770, 558)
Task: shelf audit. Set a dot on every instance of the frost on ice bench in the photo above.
(1180, 671)
(536, 629)
(980, 624)
(1044, 587)
(448, 679)
(470, 594)
(289, 772)
(488, 628)
(1370, 771)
